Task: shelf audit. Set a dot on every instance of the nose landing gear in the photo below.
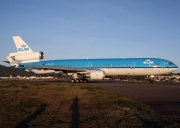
(151, 79)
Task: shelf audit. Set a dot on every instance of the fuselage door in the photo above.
(162, 64)
(90, 65)
(133, 65)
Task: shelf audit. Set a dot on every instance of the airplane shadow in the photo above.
(24, 123)
(75, 118)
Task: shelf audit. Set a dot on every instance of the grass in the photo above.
(62, 104)
(89, 88)
(24, 86)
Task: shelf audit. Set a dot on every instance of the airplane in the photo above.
(82, 70)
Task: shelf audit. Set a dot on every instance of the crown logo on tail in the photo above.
(23, 48)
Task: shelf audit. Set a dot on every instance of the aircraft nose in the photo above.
(173, 65)
(176, 67)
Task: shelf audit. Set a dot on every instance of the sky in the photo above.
(77, 29)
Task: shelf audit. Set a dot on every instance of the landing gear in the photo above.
(72, 80)
(79, 80)
(85, 80)
(151, 79)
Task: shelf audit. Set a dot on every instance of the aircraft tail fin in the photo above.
(21, 45)
(24, 53)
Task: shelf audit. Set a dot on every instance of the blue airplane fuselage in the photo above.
(116, 66)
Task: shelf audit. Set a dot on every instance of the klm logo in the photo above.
(23, 48)
(148, 62)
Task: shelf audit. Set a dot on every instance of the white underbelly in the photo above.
(136, 71)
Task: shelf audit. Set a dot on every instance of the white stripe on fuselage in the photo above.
(137, 71)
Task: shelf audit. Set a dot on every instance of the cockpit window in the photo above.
(171, 63)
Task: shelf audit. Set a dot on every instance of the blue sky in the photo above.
(93, 28)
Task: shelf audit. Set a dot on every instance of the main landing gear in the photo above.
(79, 80)
(151, 79)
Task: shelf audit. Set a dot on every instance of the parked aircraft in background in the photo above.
(83, 70)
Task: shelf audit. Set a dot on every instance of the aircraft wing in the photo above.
(57, 68)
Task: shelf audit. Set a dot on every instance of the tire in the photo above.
(85, 80)
(77, 80)
(151, 81)
(72, 80)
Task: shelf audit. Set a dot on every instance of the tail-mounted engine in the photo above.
(27, 56)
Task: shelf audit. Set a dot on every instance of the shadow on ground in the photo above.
(75, 113)
(24, 123)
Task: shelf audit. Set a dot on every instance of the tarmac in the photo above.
(163, 97)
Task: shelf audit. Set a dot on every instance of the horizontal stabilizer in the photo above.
(6, 61)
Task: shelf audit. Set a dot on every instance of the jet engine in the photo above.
(96, 75)
(27, 56)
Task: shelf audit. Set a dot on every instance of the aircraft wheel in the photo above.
(72, 80)
(151, 81)
(85, 80)
(77, 80)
